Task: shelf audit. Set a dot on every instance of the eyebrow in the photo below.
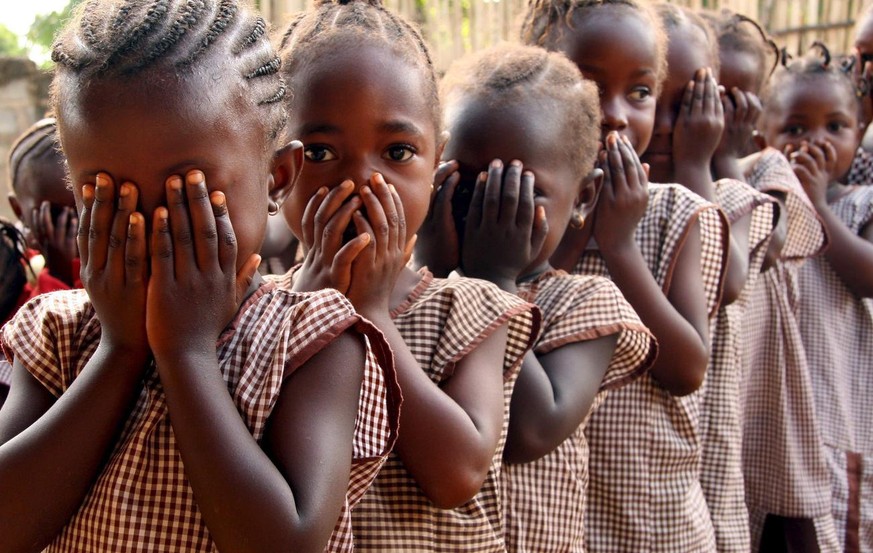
(399, 126)
(318, 128)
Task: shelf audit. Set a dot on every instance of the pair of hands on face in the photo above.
(56, 239)
(504, 230)
(180, 296)
(365, 268)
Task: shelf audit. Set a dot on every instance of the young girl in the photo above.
(40, 199)
(665, 248)
(751, 213)
(177, 404)
(812, 115)
(369, 117)
(862, 166)
(524, 104)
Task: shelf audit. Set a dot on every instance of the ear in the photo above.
(589, 192)
(287, 164)
(16, 207)
(441, 147)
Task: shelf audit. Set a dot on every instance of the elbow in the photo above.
(686, 375)
(527, 443)
(453, 492)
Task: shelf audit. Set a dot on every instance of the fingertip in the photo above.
(195, 176)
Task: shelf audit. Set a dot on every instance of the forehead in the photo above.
(688, 51)
(134, 128)
(740, 68)
(366, 82)
(529, 130)
(594, 31)
(815, 96)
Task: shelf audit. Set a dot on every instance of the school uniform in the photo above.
(861, 171)
(441, 322)
(142, 501)
(645, 494)
(546, 499)
(837, 329)
(783, 459)
(721, 469)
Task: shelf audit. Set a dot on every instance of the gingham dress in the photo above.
(142, 500)
(783, 462)
(645, 493)
(837, 328)
(441, 322)
(862, 168)
(545, 499)
(5, 373)
(721, 468)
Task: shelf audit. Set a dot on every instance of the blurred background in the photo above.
(452, 27)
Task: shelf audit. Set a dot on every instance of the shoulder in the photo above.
(737, 198)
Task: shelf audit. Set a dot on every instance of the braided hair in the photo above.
(41, 139)
(510, 74)
(337, 24)
(127, 38)
(545, 21)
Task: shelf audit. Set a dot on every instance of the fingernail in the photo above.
(365, 190)
(346, 184)
(483, 176)
(175, 183)
(515, 163)
(496, 164)
(321, 191)
(124, 190)
(102, 180)
(195, 177)
(364, 237)
(391, 187)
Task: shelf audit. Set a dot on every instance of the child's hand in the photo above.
(741, 111)
(328, 262)
(813, 165)
(699, 123)
(505, 229)
(623, 197)
(57, 239)
(194, 289)
(376, 268)
(437, 246)
(112, 250)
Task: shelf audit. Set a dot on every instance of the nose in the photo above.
(358, 170)
(614, 114)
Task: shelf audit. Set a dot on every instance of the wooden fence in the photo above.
(455, 27)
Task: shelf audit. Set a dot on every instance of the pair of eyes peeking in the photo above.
(396, 152)
(832, 127)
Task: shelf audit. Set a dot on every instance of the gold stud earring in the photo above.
(577, 220)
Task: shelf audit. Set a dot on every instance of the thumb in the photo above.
(410, 247)
(246, 275)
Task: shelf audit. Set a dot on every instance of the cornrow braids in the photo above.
(12, 267)
(39, 139)
(674, 17)
(737, 33)
(329, 26)
(128, 38)
(545, 22)
(816, 64)
(517, 74)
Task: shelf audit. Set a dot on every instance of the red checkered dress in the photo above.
(721, 467)
(645, 493)
(783, 462)
(142, 500)
(862, 168)
(545, 499)
(441, 322)
(837, 329)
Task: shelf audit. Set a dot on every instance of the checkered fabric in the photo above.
(721, 468)
(837, 329)
(783, 461)
(142, 500)
(645, 492)
(861, 171)
(441, 322)
(546, 499)
(5, 372)
(824, 531)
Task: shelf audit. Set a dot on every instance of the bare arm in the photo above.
(850, 254)
(553, 395)
(738, 260)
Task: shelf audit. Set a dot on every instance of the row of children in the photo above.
(612, 365)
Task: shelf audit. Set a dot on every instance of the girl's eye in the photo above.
(640, 93)
(794, 130)
(318, 153)
(400, 153)
(835, 126)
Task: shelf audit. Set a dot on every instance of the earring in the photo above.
(272, 207)
(577, 220)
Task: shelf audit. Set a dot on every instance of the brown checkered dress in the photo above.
(142, 500)
(5, 372)
(721, 468)
(837, 329)
(545, 499)
(645, 493)
(441, 322)
(862, 168)
(783, 462)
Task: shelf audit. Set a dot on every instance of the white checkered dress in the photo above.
(862, 168)
(441, 322)
(837, 329)
(721, 468)
(545, 499)
(5, 372)
(645, 493)
(783, 462)
(142, 500)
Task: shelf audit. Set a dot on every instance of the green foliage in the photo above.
(9, 45)
(45, 26)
